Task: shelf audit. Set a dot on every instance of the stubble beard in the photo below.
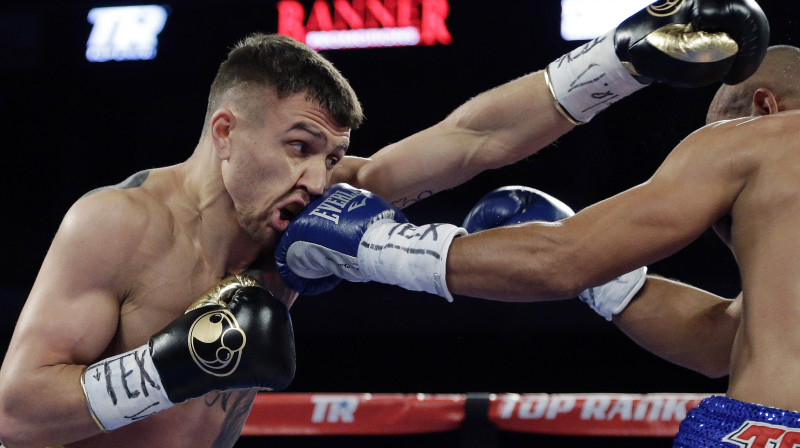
(262, 235)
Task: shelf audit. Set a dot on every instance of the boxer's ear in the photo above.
(223, 121)
(765, 102)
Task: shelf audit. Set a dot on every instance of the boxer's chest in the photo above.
(162, 291)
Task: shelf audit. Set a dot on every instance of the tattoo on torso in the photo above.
(236, 404)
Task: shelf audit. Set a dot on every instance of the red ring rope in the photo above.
(656, 415)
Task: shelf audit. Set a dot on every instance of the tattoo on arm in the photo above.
(405, 202)
(133, 181)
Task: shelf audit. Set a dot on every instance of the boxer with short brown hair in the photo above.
(128, 261)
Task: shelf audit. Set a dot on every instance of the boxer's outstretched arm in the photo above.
(69, 319)
(682, 324)
(517, 119)
(678, 322)
(496, 128)
(695, 186)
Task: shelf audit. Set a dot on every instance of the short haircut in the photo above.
(288, 67)
(779, 72)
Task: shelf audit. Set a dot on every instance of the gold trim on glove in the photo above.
(558, 105)
(222, 292)
(683, 44)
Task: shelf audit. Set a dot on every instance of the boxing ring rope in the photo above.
(635, 415)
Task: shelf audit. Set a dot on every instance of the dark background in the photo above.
(70, 125)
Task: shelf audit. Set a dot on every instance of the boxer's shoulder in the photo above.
(116, 234)
(120, 215)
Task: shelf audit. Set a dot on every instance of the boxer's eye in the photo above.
(299, 146)
(332, 161)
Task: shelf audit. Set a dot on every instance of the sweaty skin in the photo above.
(744, 169)
(128, 260)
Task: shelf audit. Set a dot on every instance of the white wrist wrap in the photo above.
(611, 298)
(412, 257)
(589, 79)
(123, 389)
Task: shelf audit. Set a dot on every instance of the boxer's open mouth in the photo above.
(290, 211)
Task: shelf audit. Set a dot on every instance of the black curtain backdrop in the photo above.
(70, 126)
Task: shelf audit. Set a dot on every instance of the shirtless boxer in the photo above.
(738, 176)
(128, 261)
(685, 325)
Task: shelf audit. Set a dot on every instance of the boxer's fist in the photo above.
(683, 43)
(352, 234)
(320, 246)
(237, 335)
(248, 343)
(692, 43)
(513, 205)
(516, 204)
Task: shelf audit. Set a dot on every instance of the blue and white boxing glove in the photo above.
(517, 204)
(514, 204)
(352, 234)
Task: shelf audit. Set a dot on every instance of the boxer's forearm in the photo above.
(496, 128)
(55, 414)
(682, 324)
(514, 264)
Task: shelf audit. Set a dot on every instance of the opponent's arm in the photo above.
(358, 237)
(683, 324)
(496, 128)
(680, 323)
(510, 122)
(695, 186)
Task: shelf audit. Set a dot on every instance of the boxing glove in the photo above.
(518, 204)
(355, 235)
(683, 43)
(236, 336)
(514, 205)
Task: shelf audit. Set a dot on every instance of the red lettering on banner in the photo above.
(290, 20)
(379, 14)
(433, 28)
(320, 17)
(762, 435)
(426, 18)
(346, 16)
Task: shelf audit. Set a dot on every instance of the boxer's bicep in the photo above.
(690, 191)
(73, 307)
(68, 321)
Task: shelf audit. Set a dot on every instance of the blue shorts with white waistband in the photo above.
(722, 422)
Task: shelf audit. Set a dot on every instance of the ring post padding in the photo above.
(476, 429)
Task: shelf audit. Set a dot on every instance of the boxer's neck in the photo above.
(210, 214)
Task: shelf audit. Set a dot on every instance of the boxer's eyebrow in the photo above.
(317, 135)
(305, 127)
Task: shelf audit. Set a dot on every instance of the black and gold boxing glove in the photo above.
(692, 43)
(236, 336)
(682, 43)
